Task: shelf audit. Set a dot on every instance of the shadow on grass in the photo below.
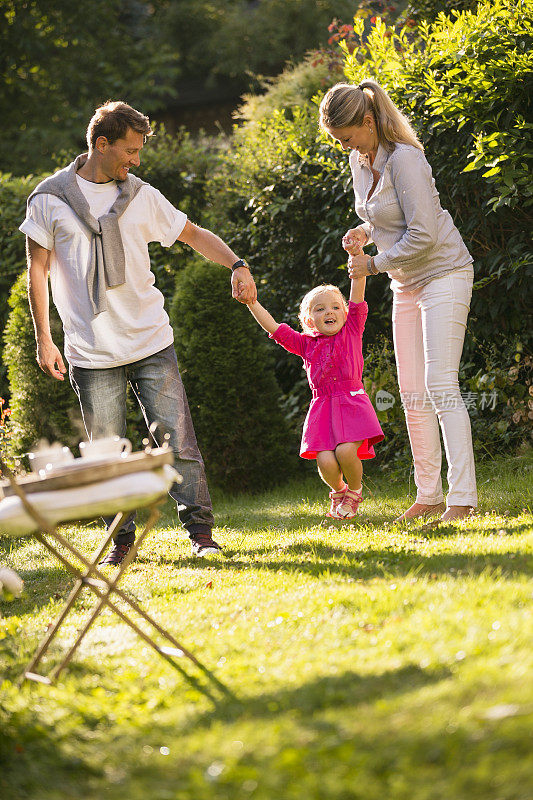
(322, 755)
(32, 750)
(313, 748)
(312, 559)
(33, 754)
(321, 694)
(41, 585)
(316, 559)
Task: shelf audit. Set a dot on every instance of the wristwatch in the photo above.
(240, 263)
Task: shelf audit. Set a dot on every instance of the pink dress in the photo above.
(340, 410)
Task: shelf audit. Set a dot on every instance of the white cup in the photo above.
(109, 447)
(10, 581)
(48, 458)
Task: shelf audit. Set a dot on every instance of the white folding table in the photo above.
(34, 506)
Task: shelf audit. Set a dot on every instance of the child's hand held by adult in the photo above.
(358, 265)
(243, 286)
(354, 240)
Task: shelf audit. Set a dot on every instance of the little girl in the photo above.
(341, 425)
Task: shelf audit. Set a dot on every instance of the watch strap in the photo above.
(240, 263)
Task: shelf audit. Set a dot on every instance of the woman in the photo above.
(431, 275)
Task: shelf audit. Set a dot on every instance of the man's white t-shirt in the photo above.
(135, 324)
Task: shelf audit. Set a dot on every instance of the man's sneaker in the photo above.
(336, 499)
(203, 545)
(117, 554)
(347, 509)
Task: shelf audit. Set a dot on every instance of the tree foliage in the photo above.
(224, 46)
(227, 368)
(59, 59)
(13, 195)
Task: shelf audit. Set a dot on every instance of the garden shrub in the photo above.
(227, 369)
(297, 84)
(284, 192)
(41, 406)
(499, 398)
(179, 167)
(13, 195)
(429, 10)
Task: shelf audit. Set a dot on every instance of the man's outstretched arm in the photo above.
(211, 246)
(48, 356)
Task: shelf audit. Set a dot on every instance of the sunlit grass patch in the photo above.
(366, 660)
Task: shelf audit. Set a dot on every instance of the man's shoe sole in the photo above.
(206, 551)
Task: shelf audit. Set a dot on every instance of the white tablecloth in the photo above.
(124, 493)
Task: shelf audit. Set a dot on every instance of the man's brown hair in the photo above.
(113, 119)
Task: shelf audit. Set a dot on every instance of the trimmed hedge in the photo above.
(227, 368)
(13, 195)
(41, 407)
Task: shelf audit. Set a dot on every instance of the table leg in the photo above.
(78, 586)
(164, 652)
(88, 581)
(111, 587)
(132, 603)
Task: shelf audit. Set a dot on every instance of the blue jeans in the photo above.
(158, 387)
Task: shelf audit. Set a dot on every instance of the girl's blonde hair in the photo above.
(344, 105)
(305, 305)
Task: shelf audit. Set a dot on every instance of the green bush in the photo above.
(226, 364)
(13, 195)
(464, 83)
(284, 191)
(297, 84)
(41, 407)
(430, 9)
(499, 398)
(179, 166)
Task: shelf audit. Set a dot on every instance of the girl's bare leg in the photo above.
(329, 470)
(350, 463)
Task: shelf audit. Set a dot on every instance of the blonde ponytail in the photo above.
(344, 105)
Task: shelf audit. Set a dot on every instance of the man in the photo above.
(89, 226)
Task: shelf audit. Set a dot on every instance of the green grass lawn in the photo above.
(364, 660)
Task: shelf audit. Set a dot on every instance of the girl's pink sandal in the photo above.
(336, 499)
(347, 508)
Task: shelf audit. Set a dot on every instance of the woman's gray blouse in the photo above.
(415, 237)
